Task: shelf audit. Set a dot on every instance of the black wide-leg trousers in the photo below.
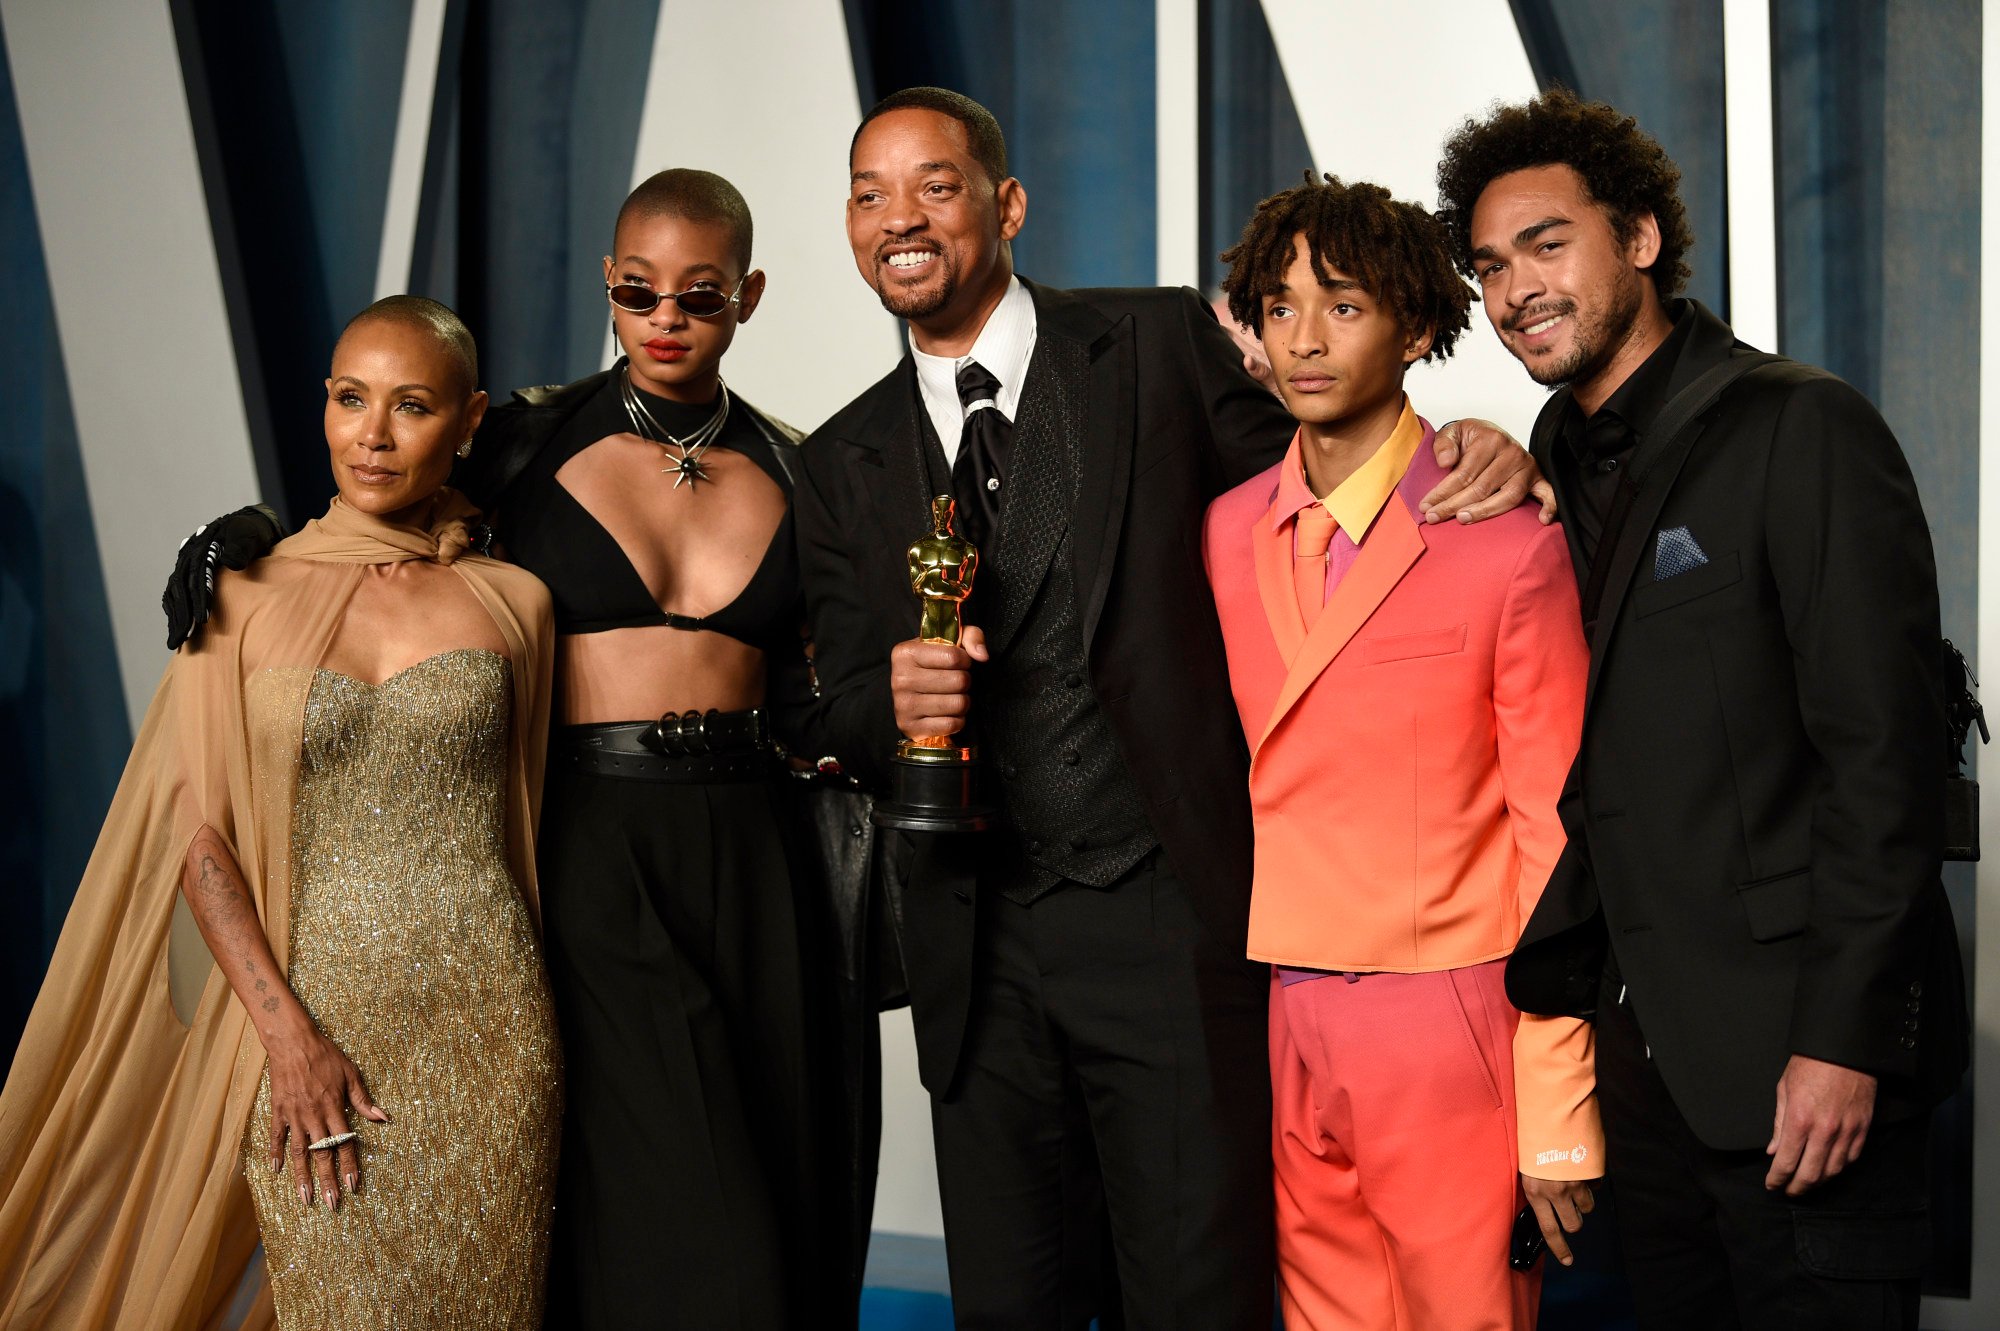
(1116, 1050)
(689, 1188)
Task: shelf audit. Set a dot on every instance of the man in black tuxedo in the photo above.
(1085, 1017)
(1750, 899)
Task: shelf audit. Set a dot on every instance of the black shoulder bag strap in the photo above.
(1675, 440)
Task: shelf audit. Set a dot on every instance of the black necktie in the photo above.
(981, 466)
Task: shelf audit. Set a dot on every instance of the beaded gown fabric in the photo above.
(412, 949)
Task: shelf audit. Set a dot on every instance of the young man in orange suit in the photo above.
(1412, 696)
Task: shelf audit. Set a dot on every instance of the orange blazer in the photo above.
(1406, 756)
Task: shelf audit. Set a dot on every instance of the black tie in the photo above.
(981, 466)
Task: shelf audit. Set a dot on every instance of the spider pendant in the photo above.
(688, 469)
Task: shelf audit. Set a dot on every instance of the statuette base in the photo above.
(931, 791)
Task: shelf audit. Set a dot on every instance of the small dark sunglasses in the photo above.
(701, 302)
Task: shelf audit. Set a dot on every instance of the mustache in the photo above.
(1514, 323)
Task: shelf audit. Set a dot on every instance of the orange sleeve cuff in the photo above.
(1555, 1094)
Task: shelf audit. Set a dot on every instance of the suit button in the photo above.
(854, 829)
(1908, 1042)
(1913, 1007)
(1073, 680)
(1916, 989)
(1070, 758)
(1034, 847)
(1079, 841)
(1911, 1025)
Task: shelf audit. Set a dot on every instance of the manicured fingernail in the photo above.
(305, 1194)
(347, 1184)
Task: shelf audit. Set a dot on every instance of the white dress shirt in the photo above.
(1003, 346)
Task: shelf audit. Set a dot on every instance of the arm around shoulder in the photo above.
(853, 676)
(1247, 422)
(235, 541)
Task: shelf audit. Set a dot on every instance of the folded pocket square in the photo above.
(1676, 553)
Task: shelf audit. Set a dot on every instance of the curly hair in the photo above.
(1397, 252)
(1623, 168)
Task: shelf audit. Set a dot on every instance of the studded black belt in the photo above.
(683, 748)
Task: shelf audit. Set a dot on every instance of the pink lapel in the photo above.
(1387, 552)
(1394, 545)
(1275, 585)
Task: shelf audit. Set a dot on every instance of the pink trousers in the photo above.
(1393, 1141)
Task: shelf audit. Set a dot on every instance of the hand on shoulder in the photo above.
(1490, 474)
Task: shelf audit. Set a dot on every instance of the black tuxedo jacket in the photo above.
(1755, 814)
(1165, 420)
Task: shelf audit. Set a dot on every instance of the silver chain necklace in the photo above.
(686, 464)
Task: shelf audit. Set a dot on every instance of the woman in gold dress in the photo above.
(341, 780)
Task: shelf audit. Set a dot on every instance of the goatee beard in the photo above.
(915, 304)
(1595, 342)
(1561, 373)
(921, 304)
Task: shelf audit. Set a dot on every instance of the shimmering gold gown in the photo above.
(413, 950)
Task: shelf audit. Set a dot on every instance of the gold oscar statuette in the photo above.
(942, 566)
(932, 775)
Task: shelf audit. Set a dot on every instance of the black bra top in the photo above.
(545, 530)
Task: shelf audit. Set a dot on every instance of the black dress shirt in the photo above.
(1596, 452)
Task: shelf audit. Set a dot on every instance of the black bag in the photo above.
(1961, 793)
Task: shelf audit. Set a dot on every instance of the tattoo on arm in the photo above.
(222, 907)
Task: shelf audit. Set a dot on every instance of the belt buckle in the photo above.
(680, 734)
(668, 735)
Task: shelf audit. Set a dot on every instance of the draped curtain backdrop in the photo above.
(63, 733)
(1878, 164)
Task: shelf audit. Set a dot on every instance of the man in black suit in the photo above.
(1750, 899)
(1084, 1013)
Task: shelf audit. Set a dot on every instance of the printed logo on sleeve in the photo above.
(1575, 1155)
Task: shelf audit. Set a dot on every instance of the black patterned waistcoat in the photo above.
(1052, 756)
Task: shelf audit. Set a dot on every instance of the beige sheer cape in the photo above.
(121, 1125)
